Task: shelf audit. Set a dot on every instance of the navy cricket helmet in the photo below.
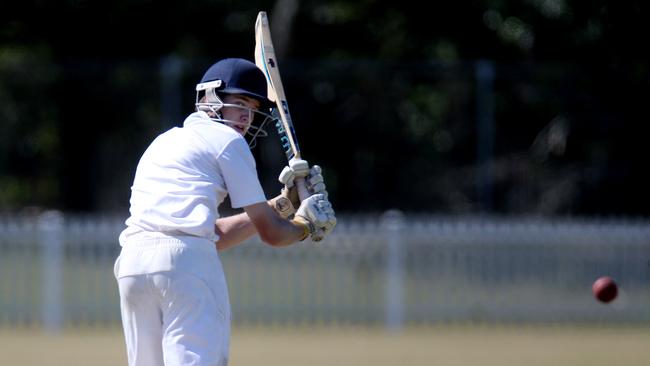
(238, 76)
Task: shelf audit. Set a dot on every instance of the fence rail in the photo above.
(390, 270)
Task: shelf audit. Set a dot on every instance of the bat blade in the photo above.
(265, 60)
(263, 48)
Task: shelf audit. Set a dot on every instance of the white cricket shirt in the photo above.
(185, 174)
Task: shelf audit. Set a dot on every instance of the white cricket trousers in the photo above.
(174, 302)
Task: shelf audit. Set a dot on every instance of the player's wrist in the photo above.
(305, 225)
(283, 206)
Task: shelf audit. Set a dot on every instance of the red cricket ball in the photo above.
(605, 289)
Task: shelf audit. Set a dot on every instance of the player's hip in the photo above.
(193, 255)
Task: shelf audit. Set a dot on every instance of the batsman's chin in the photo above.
(240, 130)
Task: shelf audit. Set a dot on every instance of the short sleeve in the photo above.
(240, 175)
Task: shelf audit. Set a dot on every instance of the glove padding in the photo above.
(318, 212)
(297, 168)
(282, 205)
(314, 181)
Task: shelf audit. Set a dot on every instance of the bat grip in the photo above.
(302, 188)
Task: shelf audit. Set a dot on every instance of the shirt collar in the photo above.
(196, 118)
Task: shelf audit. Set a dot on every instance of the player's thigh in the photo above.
(141, 320)
(196, 322)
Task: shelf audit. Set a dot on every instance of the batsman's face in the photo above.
(239, 110)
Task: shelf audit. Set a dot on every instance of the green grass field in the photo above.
(451, 346)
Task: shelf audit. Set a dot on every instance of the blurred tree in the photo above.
(383, 95)
(30, 142)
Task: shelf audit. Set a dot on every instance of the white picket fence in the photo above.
(389, 270)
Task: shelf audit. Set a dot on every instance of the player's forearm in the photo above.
(233, 230)
(273, 229)
(283, 233)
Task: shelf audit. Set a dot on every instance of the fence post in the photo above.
(50, 227)
(393, 222)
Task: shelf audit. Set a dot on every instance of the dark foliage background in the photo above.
(534, 107)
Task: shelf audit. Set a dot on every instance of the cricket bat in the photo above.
(265, 59)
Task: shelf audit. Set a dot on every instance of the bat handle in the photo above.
(302, 188)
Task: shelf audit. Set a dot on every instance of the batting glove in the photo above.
(300, 169)
(297, 168)
(316, 211)
(282, 204)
